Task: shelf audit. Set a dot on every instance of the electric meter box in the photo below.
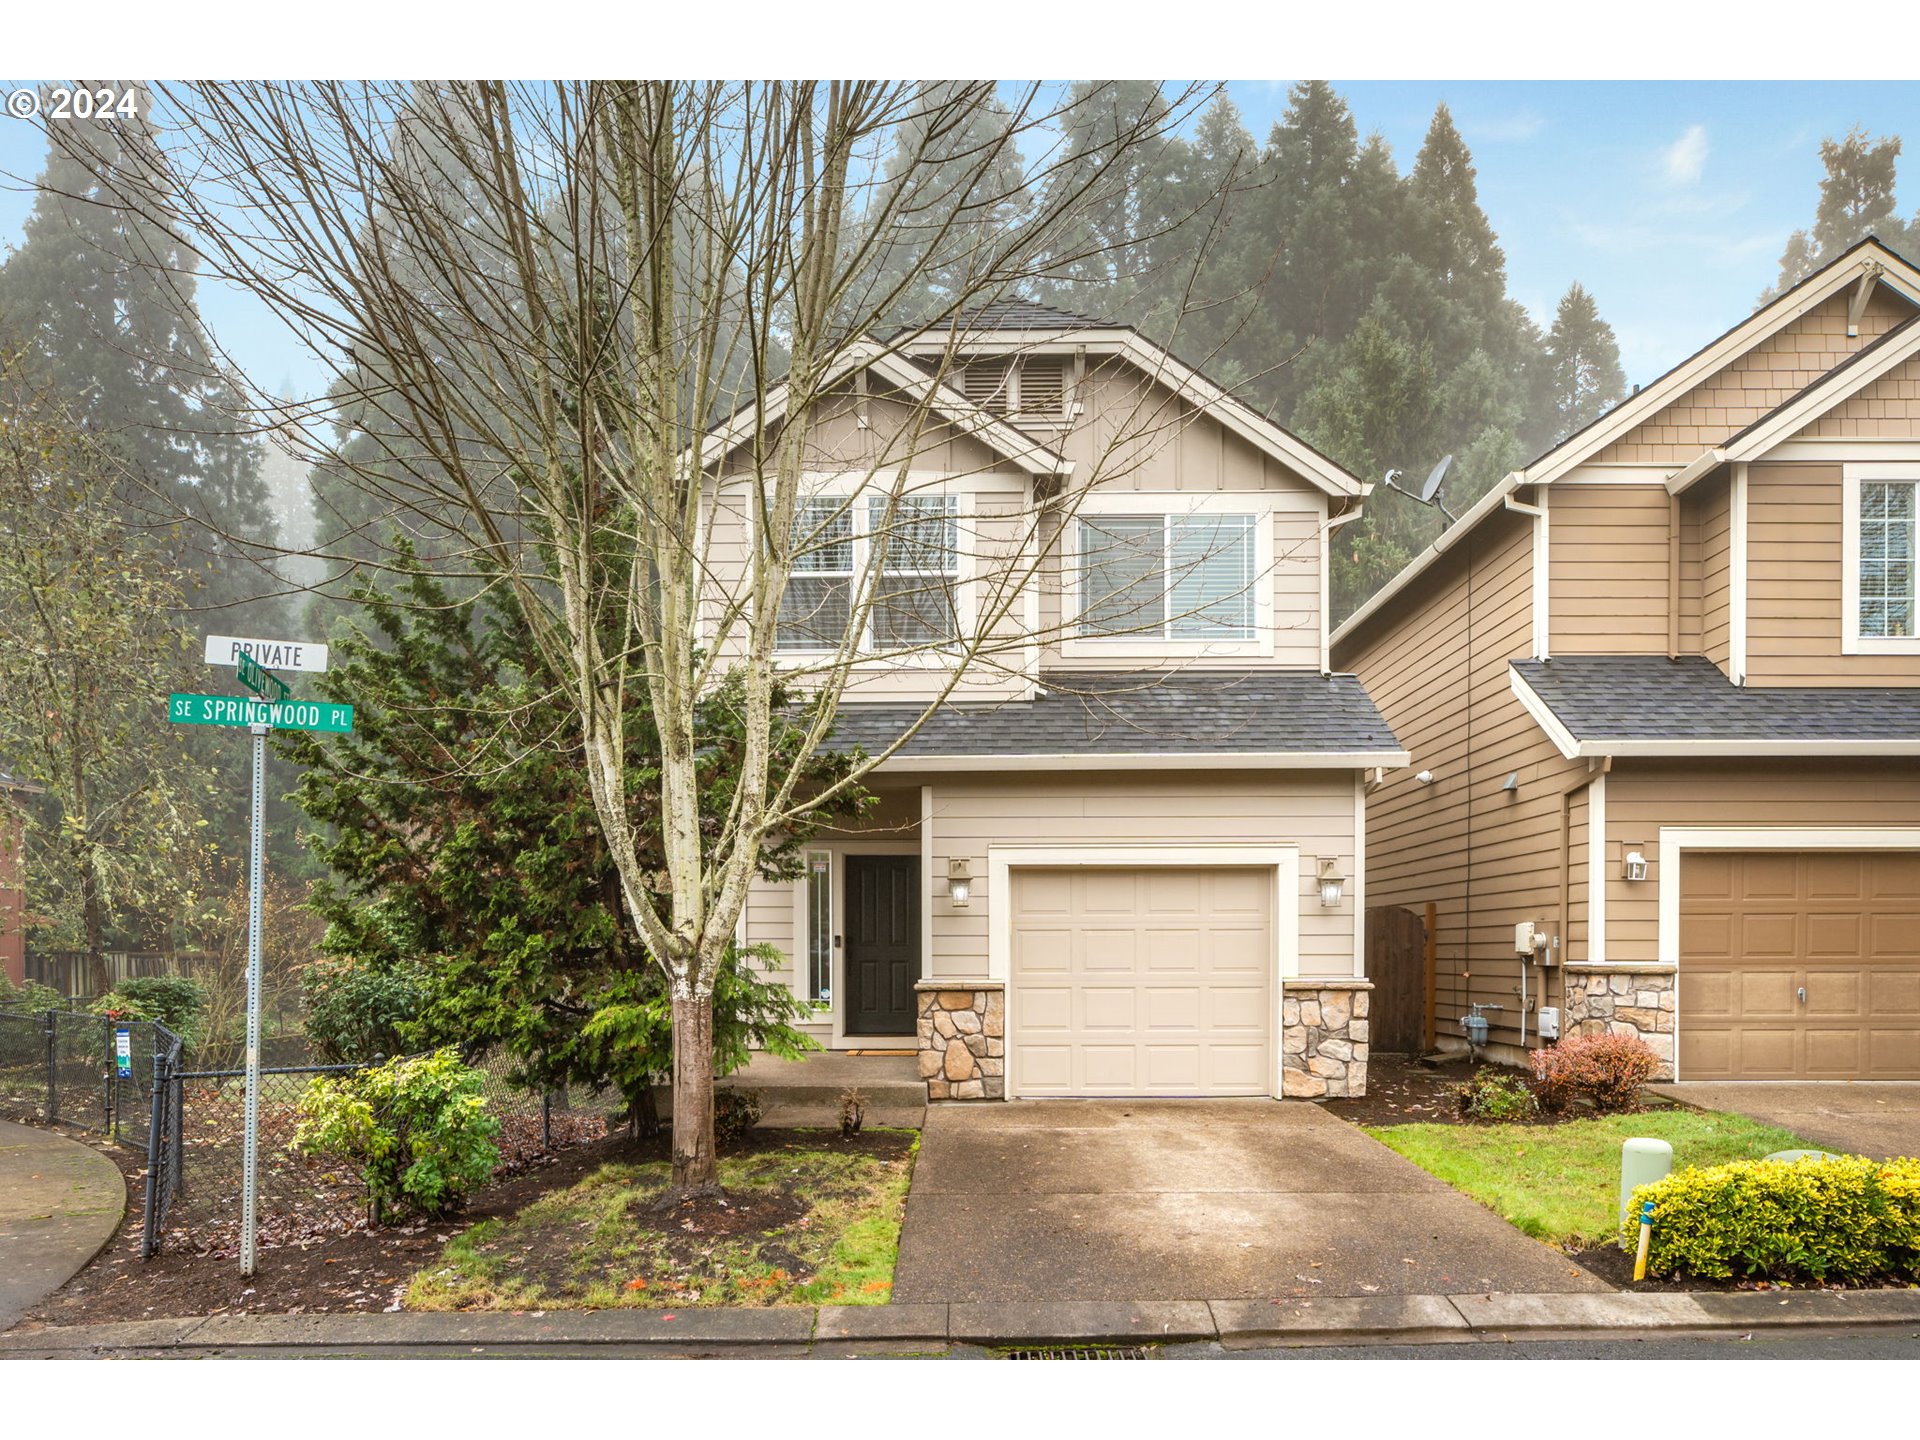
(1525, 938)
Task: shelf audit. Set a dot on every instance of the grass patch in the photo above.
(807, 1221)
(1561, 1183)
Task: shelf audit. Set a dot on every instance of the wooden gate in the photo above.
(1397, 965)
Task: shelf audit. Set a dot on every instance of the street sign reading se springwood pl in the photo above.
(279, 715)
(269, 654)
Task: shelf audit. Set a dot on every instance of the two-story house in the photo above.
(1661, 689)
(1124, 853)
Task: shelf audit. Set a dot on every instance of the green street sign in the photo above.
(264, 683)
(281, 714)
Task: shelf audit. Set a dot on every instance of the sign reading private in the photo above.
(280, 715)
(301, 655)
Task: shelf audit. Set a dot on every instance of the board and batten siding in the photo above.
(1436, 664)
(1314, 810)
(1610, 569)
(1746, 388)
(1643, 795)
(1794, 557)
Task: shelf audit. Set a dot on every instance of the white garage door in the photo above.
(1147, 981)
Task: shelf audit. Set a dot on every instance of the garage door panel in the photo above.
(1167, 990)
(1842, 926)
(1102, 1008)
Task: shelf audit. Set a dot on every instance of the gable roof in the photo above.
(1845, 380)
(1108, 719)
(1649, 705)
(1014, 315)
(1867, 258)
(1008, 441)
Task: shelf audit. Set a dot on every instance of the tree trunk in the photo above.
(696, 1168)
(95, 923)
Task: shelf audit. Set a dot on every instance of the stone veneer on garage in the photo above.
(1325, 1037)
(963, 1039)
(962, 1028)
(1635, 1000)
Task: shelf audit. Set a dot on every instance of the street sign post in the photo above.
(273, 711)
(264, 683)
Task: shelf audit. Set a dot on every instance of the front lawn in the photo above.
(814, 1219)
(1561, 1183)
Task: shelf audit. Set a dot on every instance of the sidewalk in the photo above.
(59, 1203)
(934, 1330)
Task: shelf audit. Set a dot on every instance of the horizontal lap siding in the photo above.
(1438, 671)
(1314, 810)
(1754, 383)
(1794, 557)
(1643, 795)
(1609, 569)
(1715, 511)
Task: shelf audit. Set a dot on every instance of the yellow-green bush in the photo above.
(1848, 1218)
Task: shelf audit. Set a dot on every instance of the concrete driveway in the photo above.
(1879, 1118)
(1197, 1199)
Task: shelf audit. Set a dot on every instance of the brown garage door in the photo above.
(1141, 982)
(1800, 965)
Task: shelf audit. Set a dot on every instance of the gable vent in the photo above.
(1043, 385)
(988, 383)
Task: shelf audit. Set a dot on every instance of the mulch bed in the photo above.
(1403, 1090)
(363, 1270)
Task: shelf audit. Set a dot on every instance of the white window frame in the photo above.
(1074, 645)
(856, 491)
(1852, 642)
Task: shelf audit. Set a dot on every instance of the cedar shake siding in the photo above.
(1750, 385)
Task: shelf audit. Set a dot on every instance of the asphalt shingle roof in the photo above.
(1131, 713)
(1022, 315)
(1649, 697)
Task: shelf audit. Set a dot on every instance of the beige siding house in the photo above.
(1661, 691)
(1123, 852)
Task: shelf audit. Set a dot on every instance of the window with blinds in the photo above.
(1170, 577)
(904, 550)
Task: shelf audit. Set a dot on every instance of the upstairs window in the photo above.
(1886, 559)
(904, 553)
(1166, 577)
(1032, 386)
(1881, 501)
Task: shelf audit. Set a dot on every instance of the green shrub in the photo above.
(29, 995)
(1493, 1095)
(419, 1128)
(1845, 1219)
(1605, 1070)
(735, 1112)
(175, 1001)
(359, 1012)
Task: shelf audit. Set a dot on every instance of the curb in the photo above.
(1234, 1324)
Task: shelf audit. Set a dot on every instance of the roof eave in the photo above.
(1160, 760)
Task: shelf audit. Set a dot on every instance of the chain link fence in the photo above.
(188, 1116)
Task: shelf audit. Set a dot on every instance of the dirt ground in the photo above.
(1401, 1090)
(358, 1271)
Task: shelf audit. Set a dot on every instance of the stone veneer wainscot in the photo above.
(1325, 1037)
(1636, 1000)
(963, 1039)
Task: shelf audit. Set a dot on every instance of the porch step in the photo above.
(825, 1117)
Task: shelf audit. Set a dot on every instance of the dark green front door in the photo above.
(883, 943)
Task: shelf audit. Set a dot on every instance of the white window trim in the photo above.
(837, 851)
(1282, 860)
(1852, 642)
(1075, 646)
(918, 483)
(1676, 840)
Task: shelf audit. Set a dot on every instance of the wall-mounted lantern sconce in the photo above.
(1635, 867)
(959, 882)
(1332, 882)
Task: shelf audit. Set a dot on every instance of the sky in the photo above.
(1670, 202)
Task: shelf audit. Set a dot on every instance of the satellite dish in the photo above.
(1435, 479)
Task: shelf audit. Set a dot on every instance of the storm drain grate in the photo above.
(1081, 1352)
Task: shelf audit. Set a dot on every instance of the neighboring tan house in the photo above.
(1661, 689)
(1099, 869)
